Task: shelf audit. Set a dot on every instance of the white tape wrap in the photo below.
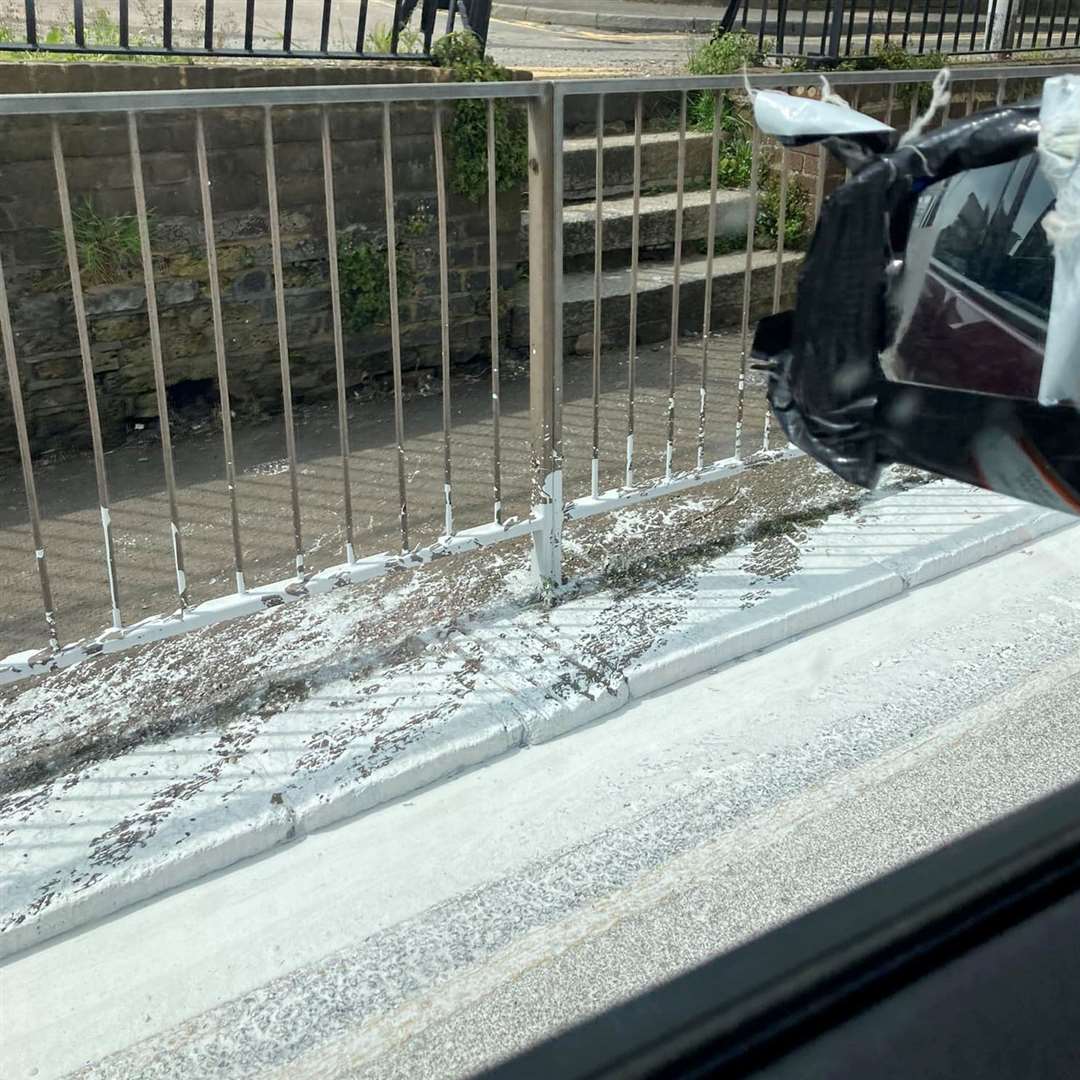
(1059, 156)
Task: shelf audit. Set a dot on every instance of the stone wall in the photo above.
(99, 170)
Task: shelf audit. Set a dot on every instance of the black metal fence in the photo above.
(842, 29)
(379, 30)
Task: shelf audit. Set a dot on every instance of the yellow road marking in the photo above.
(573, 32)
(596, 35)
(576, 73)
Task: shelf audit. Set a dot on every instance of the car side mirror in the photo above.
(935, 323)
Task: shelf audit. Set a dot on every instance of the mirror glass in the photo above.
(973, 300)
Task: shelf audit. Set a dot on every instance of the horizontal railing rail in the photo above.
(681, 408)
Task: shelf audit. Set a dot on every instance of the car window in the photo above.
(991, 235)
(973, 314)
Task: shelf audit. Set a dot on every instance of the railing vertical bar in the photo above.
(558, 118)
(1038, 23)
(395, 321)
(286, 34)
(676, 286)
(283, 337)
(959, 24)
(31, 23)
(856, 97)
(635, 237)
(157, 359)
(941, 25)
(125, 20)
(451, 15)
(1065, 22)
(444, 318)
(710, 254)
(1015, 30)
(598, 272)
(781, 26)
(889, 20)
(395, 28)
(925, 26)
(826, 20)
(324, 29)
(802, 29)
(1050, 28)
(974, 24)
(339, 344)
(850, 27)
(166, 24)
(778, 279)
(361, 26)
(26, 461)
(80, 24)
(761, 24)
(869, 28)
(819, 181)
(493, 271)
(907, 24)
(748, 280)
(101, 476)
(249, 25)
(781, 224)
(219, 348)
(208, 25)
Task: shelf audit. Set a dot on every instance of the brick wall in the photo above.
(98, 165)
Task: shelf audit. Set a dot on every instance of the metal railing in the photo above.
(834, 30)
(694, 406)
(238, 30)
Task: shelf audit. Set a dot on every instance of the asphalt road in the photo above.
(447, 930)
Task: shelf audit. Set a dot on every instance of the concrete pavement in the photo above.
(117, 808)
(72, 529)
(471, 918)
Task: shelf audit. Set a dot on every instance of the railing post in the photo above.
(545, 331)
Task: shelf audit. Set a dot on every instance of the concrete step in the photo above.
(654, 299)
(656, 224)
(659, 112)
(659, 163)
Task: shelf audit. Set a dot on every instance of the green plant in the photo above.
(365, 280)
(381, 40)
(457, 50)
(724, 54)
(889, 56)
(462, 55)
(796, 215)
(108, 246)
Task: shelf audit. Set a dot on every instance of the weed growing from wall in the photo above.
(108, 245)
(461, 54)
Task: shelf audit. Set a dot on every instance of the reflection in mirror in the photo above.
(972, 302)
